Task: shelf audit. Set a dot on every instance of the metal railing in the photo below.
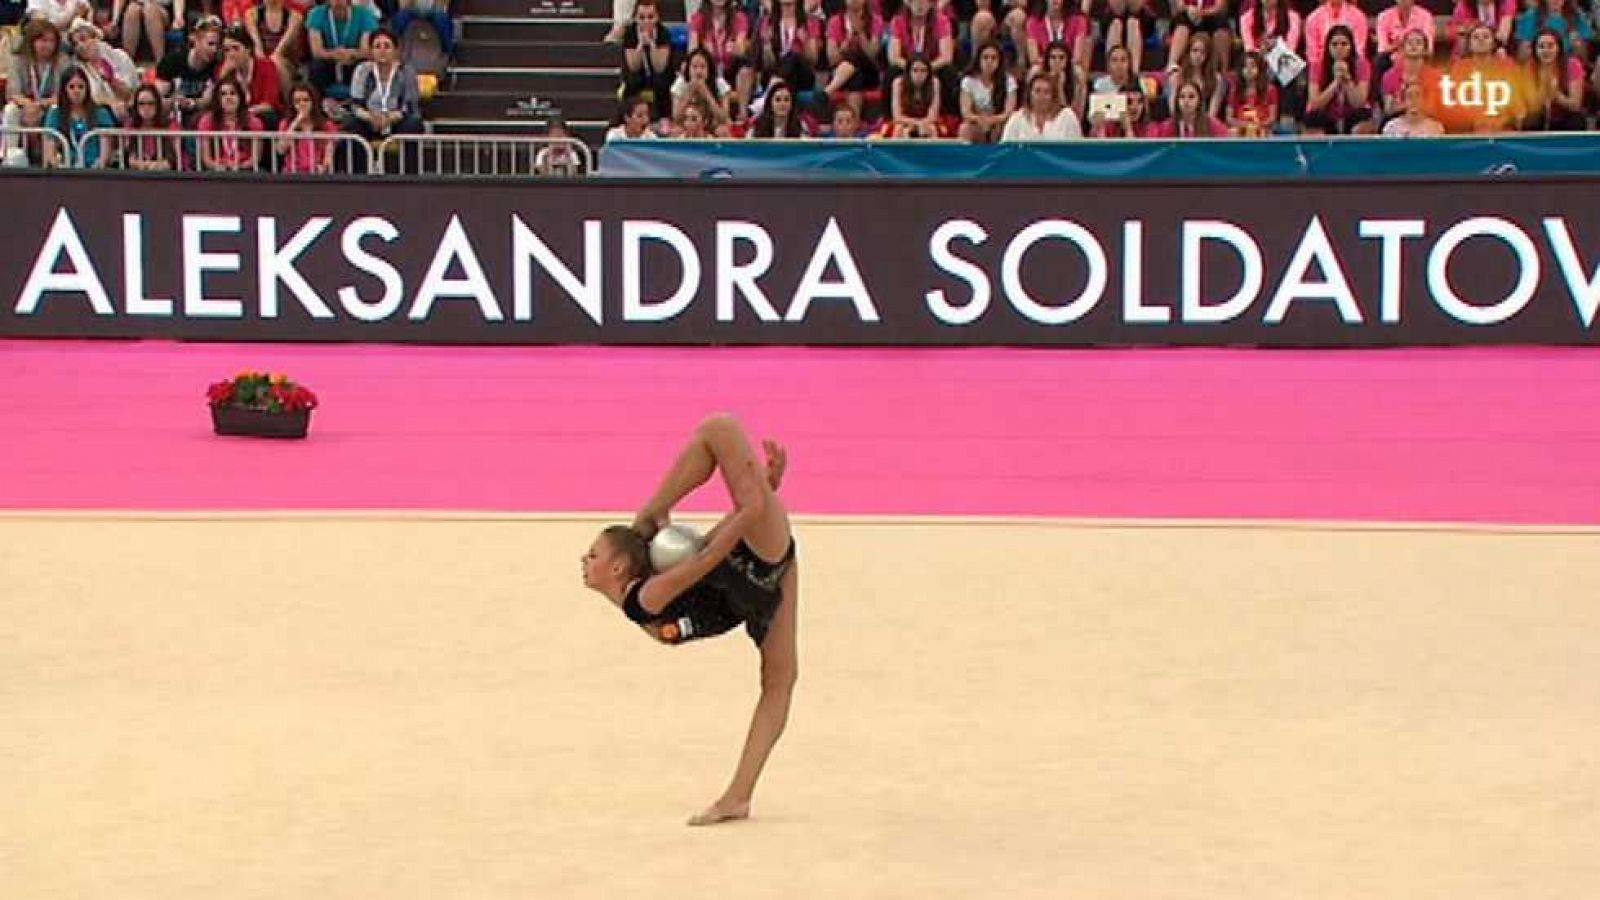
(20, 146)
(260, 152)
(479, 155)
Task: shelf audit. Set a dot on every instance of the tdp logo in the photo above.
(1489, 95)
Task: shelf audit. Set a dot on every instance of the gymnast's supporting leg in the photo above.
(780, 669)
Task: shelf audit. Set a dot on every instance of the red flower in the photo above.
(220, 393)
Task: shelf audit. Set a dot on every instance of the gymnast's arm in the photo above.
(661, 589)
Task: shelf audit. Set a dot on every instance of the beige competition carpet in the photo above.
(394, 708)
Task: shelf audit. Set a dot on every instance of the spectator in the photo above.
(60, 13)
(75, 114)
(185, 75)
(1414, 120)
(988, 97)
(263, 90)
(341, 37)
(1054, 22)
(228, 114)
(34, 81)
(1199, 67)
(778, 118)
(1044, 118)
(1499, 15)
(1253, 99)
(692, 121)
(846, 123)
(1121, 77)
(1205, 20)
(1189, 117)
(1135, 120)
(1267, 23)
(152, 148)
(1124, 24)
(437, 14)
(1410, 66)
(1071, 82)
(146, 20)
(787, 44)
(1394, 23)
(855, 48)
(919, 30)
(305, 116)
(633, 123)
(1570, 26)
(1341, 84)
(725, 31)
(698, 81)
(1557, 81)
(914, 102)
(647, 65)
(1330, 15)
(112, 75)
(385, 94)
(278, 32)
(558, 158)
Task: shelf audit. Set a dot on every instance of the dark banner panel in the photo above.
(1358, 264)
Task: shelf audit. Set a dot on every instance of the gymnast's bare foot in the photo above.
(777, 462)
(722, 811)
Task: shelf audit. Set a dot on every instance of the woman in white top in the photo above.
(1044, 118)
(988, 97)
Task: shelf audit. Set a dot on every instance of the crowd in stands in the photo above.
(152, 67)
(986, 71)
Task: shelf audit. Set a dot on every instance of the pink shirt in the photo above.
(838, 34)
(1322, 21)
(1489, 12)
(1340, 105)
(1392, 28)
(1395, 79)
(1169, 129)
(712, 36)
(305, 155)
(1041, 32)
(1247, 27)
(920, 39)
(232, 150)
(792, 39)
(1114, 130)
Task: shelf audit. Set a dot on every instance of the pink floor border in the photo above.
(1503, 435)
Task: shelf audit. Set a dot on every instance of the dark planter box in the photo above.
(236, 420)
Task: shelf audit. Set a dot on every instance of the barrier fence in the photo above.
(188, 151)
(18, 146)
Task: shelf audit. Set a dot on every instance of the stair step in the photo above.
(534, 81)
(531, 31)
(561, 54)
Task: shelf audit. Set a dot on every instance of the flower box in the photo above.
(256, 404)
(237, 420)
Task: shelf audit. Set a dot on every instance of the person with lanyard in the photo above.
(112, 74)
(31, 87)
(921, 30)
(341, 36)
(386, 99)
